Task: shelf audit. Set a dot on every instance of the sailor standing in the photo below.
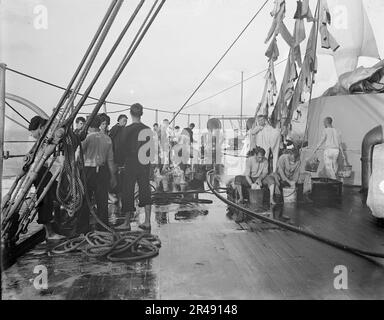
(99, 172)
(332, 140)
(136, 137)
(137, 168)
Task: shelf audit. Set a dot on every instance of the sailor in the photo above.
(46, 207)
(99, 169)
(166, 134)
(156, 142)
(156, 129)
(256, 170)
(288, 175)
(190, 131)
(116, 135)
(137, 168)
(80, 121)
(176, 135)
(184, 149)
(105, 121)
(265, 136)
(331, 139)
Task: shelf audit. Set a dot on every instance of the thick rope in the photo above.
(219, 61)
(115, 246)
(70, 189)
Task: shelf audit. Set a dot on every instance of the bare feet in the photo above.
(145, 227)
(50, 234)
(126, 226)
(54, 236)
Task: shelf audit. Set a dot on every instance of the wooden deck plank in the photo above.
(212, 257)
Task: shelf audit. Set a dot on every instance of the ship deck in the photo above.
(210, 256)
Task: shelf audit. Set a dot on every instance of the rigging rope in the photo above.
(165, 111)
(54, 132)
(70, 188)
(232, 86)
(129, 105)
(127, 57)
(115, 246)
(92, 47)
(104, 64)
(218, 62)
(17, 112)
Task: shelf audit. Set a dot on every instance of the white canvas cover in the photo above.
(375, 199)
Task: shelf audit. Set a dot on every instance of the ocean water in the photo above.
(13, 165)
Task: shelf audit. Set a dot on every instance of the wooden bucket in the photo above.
(290, 195)
(256, 197)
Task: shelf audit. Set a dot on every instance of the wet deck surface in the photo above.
(209, 256)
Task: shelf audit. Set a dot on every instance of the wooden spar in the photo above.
(241, 101)
(2, 122)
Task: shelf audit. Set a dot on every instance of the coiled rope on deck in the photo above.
(128, 246)
(125, 246)
(115, 246)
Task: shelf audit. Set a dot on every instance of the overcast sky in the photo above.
(183, 44)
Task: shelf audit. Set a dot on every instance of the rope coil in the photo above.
(116, 247)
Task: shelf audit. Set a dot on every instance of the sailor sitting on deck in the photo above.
(287, 175)
(256, 170)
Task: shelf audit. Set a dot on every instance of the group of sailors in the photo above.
(166, 137)
(276, 164)
(112, 166)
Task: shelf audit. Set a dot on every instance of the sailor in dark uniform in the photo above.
(46, 207)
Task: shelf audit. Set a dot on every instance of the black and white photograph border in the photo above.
(192, 150)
